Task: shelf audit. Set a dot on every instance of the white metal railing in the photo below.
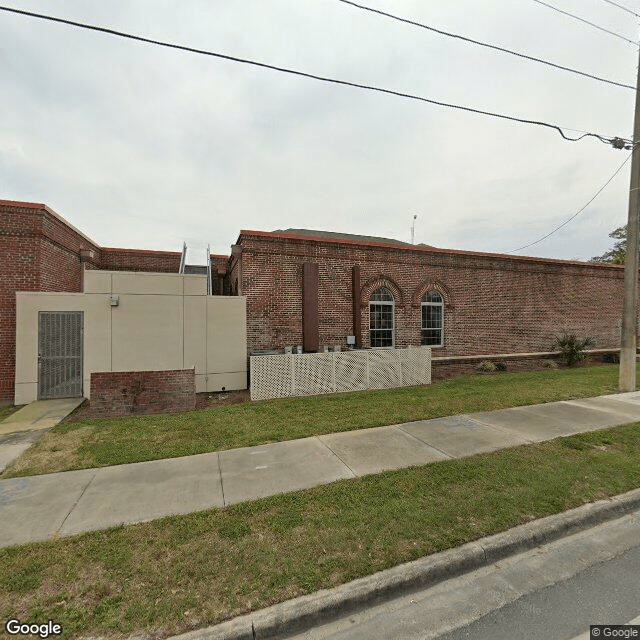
(285, 375)
(183, 258)
(209, 277)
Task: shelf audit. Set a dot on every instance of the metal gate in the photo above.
(60, 354)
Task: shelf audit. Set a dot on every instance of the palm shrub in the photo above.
(572, 348)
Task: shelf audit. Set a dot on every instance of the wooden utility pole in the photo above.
(627, 381)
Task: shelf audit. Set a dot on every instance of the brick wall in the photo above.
(142, 392)
(40, 251)
(493, 303)
(18, 259)
(139, 260)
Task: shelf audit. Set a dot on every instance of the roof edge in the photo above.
(146, 251)
(43, 207)
(24, 205)
(418, 249)
(39, 206)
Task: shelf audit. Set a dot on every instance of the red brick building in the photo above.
(40, 251)
(316, 289)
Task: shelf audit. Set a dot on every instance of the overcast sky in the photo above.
(144, 147)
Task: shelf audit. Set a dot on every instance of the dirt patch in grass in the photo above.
(203, 401)
(7, 410)
(223, 398)
(451, 370)
(56, 450)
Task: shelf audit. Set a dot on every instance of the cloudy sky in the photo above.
(141, 146)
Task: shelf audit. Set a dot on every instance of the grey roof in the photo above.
(343, 236)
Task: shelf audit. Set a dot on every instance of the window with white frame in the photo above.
(381, 318)
(432, 319)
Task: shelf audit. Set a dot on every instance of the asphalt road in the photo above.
(553, 592)
(608, 593)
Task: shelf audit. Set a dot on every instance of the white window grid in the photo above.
(432, 316)
(382, 321)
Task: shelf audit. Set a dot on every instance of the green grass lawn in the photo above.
(103, 442)
(178, 573)
(7, 410)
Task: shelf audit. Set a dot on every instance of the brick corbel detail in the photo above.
(431, 285)
(377, 283)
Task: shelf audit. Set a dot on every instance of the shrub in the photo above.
(486, 366)
(550, 364)
(501, 366)
(572, 348)
(611, 358)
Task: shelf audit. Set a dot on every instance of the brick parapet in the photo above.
(112, 259)
(307, 247)
(304, 244)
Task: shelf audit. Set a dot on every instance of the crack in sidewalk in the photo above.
(75, 504)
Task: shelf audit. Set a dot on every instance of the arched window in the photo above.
(432, 319)
(381, 318)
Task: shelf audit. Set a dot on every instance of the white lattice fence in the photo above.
(280, 376)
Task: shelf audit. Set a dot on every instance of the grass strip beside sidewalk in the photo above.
(103, 442)
(178, 573)
(7, 410)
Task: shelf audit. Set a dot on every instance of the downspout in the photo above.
(357, 309)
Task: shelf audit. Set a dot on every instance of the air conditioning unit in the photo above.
(288, 350)
(325, 349)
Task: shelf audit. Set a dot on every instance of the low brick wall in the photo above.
(121, 393)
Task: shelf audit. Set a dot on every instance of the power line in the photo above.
(575, 215)
(618, 143)
(615, 4)
(597, 26)
(485, 44)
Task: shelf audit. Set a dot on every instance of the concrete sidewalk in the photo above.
(63, 504)
(22, 428)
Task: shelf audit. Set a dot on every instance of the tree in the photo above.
(617, 253)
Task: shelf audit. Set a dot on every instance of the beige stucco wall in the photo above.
(162, 321)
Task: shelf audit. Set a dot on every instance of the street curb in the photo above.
(302, 613)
